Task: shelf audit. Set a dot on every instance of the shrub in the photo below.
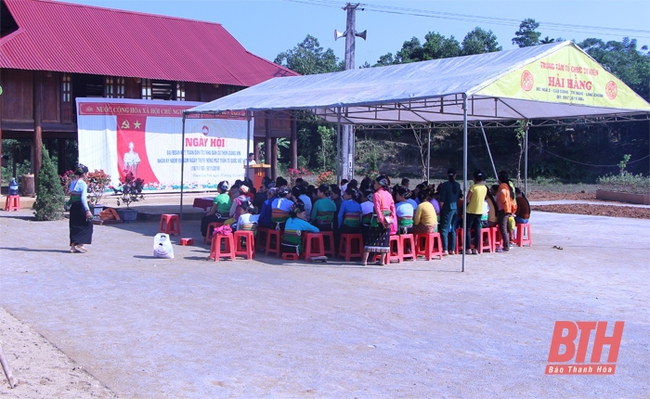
(326, 178)
(98, 182)
(130, 189)
(625, 182)
(66, 180)
(49, 192)
(296, 173)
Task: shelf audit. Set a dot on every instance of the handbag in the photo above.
(388, 219)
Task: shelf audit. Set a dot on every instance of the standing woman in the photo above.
(384, 220)
(81, 223)
(449, 195)
(506, 206)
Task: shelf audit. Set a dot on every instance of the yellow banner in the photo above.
(567, 76)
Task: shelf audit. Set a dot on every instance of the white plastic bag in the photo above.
(162, 247)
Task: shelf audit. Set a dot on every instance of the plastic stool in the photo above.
(244, 237)
(523, 235)
(229, 248)
(328, 237)
(486, 243)
(396, 252)
(12, 203)
(314, 245)
(497, 241)
(187, 241)
(275, 249)
(260, 238)
(428, 245)
(170, 224)
(408, 239)
(290, 256)
(351, 245)
(210, 231)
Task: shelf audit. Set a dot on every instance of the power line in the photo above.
(552, 26)
(586, 164)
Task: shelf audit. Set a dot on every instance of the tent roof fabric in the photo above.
(433, 91)
(63, 37)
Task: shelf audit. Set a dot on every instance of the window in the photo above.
(66, 88)
(146, 89)
(180, 91)
(109, 91)
(119, 87)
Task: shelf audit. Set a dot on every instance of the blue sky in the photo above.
(268, 27)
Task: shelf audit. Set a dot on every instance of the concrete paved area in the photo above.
(188, 328)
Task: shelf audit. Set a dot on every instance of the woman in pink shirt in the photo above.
(380, 229)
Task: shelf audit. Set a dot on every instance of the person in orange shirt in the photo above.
(506, 207)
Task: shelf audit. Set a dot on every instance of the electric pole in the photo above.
(348, 142)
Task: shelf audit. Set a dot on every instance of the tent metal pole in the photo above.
(526, 160)
(248, 142)
(429, 155)
(182, 167)
(464, 178)
(488, 148)
(338, 146)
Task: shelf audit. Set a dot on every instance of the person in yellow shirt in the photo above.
(475, 198)
(425, 220)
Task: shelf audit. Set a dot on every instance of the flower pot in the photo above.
(128, 215)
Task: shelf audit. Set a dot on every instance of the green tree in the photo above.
(309, 58)
(327, 148)
(49, 192)
(480, 41)
(527, 36)
(411, 51)
(437, 46)
(623, 60)
(386, 59)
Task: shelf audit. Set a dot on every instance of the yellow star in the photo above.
(136, 125)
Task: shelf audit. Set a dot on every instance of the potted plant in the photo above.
(98, 182)
(129, 191)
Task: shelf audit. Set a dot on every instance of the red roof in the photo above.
(62, 37)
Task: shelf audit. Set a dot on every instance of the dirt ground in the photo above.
(606, 209)
(117, 323)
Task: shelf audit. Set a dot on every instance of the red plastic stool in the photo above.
(428, 245)
(210, 231)
(396, 252)
(410, 240)
(260, 238)
(497, 241)
(486, 242)
(244, 243)
(217, 253)
(328, 238)
(270, 247)
(523, 235)
(351, 246)
(170, 224)
(290, 256)
(314, 245)
(460, 239)
(187, 241)
(12, 203)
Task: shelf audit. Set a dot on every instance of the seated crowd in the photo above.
(373, 209)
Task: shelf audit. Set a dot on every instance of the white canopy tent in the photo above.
(552, 81)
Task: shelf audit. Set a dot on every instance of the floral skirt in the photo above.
(378, 239)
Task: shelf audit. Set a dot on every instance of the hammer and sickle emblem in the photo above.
(125, 125)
